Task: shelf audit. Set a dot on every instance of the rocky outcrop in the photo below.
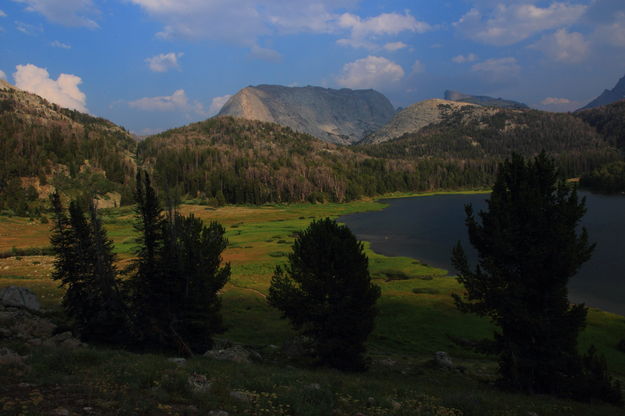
(422, 114)
(19, 297)
(608, 96)
(337, 116)
(483, 100)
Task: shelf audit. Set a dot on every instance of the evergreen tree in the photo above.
(529, 247)
(326, 292)
(85, 265)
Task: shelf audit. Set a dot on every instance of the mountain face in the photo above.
(44, 147)
(336, 116)
(419, 115)
(609, 120)
(608, 96)
(483, 100)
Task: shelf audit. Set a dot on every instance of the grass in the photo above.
(417, 317)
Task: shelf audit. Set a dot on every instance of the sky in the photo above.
(151, 65)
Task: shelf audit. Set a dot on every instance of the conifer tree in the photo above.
(529, 246)
(326, 292)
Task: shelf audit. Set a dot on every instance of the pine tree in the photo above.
(528, 247)
(326, 292)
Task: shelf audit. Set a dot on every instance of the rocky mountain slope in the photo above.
(609, 120)
(483, 100)
(608, 96)
(44, 147)
(419, 115)
(337, 116)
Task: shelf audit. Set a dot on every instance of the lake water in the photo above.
(427, 228)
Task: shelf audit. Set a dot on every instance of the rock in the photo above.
(199, 383)
(395, 405)
(313, 386)
(222, 344)
(60, 411)
(218, 413)
(26, 326)
(442, 360)
(235, 354)
(8, 357)
(71, 343)
(296, 347)
(19, 297)
(241, 396)
(177, 360)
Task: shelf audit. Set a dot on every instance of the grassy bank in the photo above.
(417, 318)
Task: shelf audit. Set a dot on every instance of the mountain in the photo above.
(419, 115)
(608, 96)
(609, 120)
(483, 100)
(336, 116)
(45, 147)
(482, 136)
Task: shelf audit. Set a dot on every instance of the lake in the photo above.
(427, 228)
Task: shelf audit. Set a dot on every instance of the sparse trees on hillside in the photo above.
(529, 246)
(326, 292)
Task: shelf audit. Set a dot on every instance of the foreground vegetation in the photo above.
(417, 318)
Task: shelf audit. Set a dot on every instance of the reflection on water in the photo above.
(427, 228)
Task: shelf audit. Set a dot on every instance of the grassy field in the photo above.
(417, 316)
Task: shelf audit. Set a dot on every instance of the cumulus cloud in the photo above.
(218, 103)
(57, 44)
(394, 46)
(384, 24)
(63, 91)
(563, 46)
(74, 13)
(512, 23)
(3, 76)
(556, 101)
(370, 72)
(462, 59)
(178, 101)
(498, 69)
(164, 62)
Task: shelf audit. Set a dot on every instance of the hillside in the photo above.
(609, 120)
(480, 135)
(483, 100)
(336, 116)
(608, 96)
(45, 147)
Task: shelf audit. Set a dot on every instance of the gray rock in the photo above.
(235, 354)
(218, 413)
(60, 411)
(313, 386)
(442, 360)
(241, 396)
(395, 405)
(177, 360)
(19, 297)
(8, 357)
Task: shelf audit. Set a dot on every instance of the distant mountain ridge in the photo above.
(608, 96)
(483, 100)
(342, 116)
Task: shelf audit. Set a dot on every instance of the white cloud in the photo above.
(2, 14)
(3, 76)
(27, 29)
(63, 91)
(178, 101)
(417, 68)
(73, 13)
(164, 62)
(499, 68)
(509, 24)
(265, 54)
(370, 72)
(462, 59)
(385, 24)
(563, 46)
(395, 46)
(556, 101)
(57, 44)
(217, 103)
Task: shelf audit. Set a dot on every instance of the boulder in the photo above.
(198, 383)
(8, 357)
(19, 297)
(241, 396)
(441, 358)
(235, 354)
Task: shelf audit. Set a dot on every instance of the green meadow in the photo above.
(417, 318)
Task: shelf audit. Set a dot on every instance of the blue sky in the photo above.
(154, 64)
